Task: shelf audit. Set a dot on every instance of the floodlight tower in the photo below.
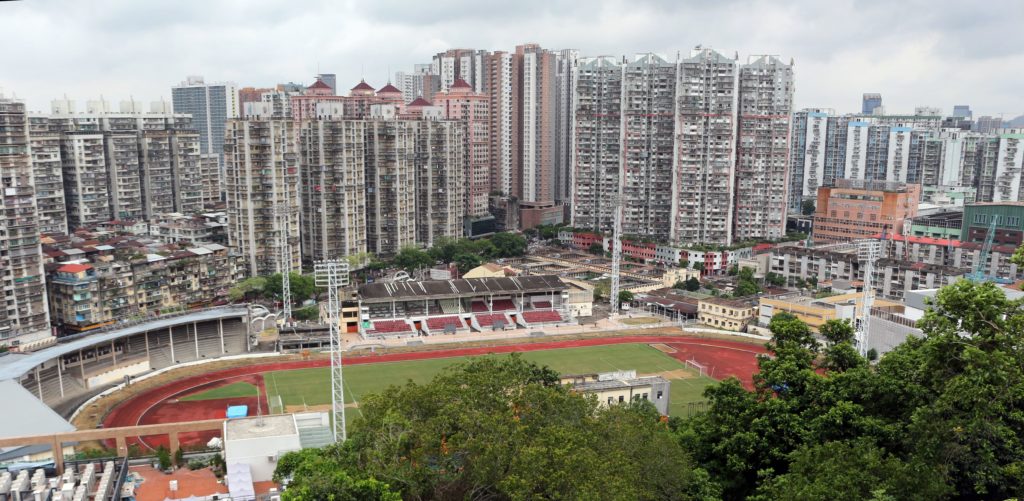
(283, 213)
(333, 274)
(867, 253)
(617, 199)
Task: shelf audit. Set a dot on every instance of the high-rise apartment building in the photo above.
(47, 174)
(24, 318)
(124, 165)
(421, 82)
(455, 64)
(211, 105)
(706, 148)
(762, 150)
(625, 122)
(333, 187)
(807, 161)
(414, 183)
(987, 124)
(262, 195)
(498, 86)
(534, 124)
(962, 111)
(330, 79)
(566, 74)
(473, 109)
(869, 102)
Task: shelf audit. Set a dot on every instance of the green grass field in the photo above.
(312, 386)
(639, 320)
(233, 390)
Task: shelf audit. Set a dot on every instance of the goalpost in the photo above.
(702, 369)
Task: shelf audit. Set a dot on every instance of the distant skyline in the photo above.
(915, 53)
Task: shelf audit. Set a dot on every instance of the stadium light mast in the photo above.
(333, 274)
(283, 212)
(867, 253)
(617, 200)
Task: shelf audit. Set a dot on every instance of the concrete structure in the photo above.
(614, 388)
(23, 319)
(262, 193)
(498, 86)
(420, 82)
(534, 93)
(124, 165)
(945, 224)
(978, 218)
(333, 188)
(728, 314)
(870, 102)
(47, 172)
(211, 105)
(98, 286)
(815, 312)
(762, 148)
(706, 148)
(460, 103)
(807, 162)
(414, 182)
(852, 210)
(259, 442)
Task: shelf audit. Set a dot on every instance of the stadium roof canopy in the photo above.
(466, 287)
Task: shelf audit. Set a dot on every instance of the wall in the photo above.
(256, 452)
(118, 374)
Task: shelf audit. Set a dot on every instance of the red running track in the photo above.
(722, 358)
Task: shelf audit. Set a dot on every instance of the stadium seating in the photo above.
(479, 307)
(542, 317)
(503, 305)
(438, 324)
(542, 304)
(488, 320)
(450, 306)
(390, 327)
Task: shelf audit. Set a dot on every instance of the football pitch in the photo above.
(310, 388)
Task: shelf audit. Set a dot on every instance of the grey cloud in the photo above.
(935, 52)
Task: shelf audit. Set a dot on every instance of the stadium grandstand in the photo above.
(431, 307)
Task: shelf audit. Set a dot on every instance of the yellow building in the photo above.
(815, 312)
(486, 270)
(728, 314)
(673, 275)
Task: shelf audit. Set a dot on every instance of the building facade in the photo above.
(262, 196)
(854, 210)
(24, 319)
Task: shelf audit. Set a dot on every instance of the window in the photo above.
(659, 394)
(611, 400)
(645, 396)
(622, 398)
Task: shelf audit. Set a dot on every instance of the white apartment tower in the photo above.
(763, 145)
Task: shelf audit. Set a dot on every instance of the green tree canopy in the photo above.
(508, 244)
(596, 248)
(625, 297)
(501, 428)
(692, 284)
(807, 207)
(411, 259)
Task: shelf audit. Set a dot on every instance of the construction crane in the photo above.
(979, 275)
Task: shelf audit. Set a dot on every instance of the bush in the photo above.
(196, 464)
(163, 457)
(309, 313)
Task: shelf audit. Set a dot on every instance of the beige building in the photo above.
(728, 314)
(581, 297)
(262, 181)
(815, 312)
(614, 388)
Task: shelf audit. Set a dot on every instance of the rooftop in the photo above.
(403, 291)
(260, 427)
(616, 384)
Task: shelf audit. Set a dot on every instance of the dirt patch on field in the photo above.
(674, 374)
(664, 348)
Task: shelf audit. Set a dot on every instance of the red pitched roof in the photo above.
(319, 84)
(461, 84)
(74, 268)
(419, 101)
(389, 88)
(362, 86)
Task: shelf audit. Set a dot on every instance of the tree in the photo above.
(698, 265)
(498, 428)
(302, 287)
(508, 244)
(625, 297)
(807, 207)
(410, 259)
(163, 457)
(596, 248)
(466, 261)
(684, 263)
(775, 279)
(746, 284)
(247, 288)
(734, 269)
(692, 284)
(308, 314)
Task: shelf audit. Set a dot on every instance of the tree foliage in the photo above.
(807, 207)
(302, 287)
(500, 428)
(596, 248)
(692, 284)
(626, 297)
(746, 283)
(410, 259)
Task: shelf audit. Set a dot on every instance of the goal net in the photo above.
(702, 369)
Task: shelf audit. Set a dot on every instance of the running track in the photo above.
(723, 358)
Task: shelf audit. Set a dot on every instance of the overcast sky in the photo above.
(930, 52)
